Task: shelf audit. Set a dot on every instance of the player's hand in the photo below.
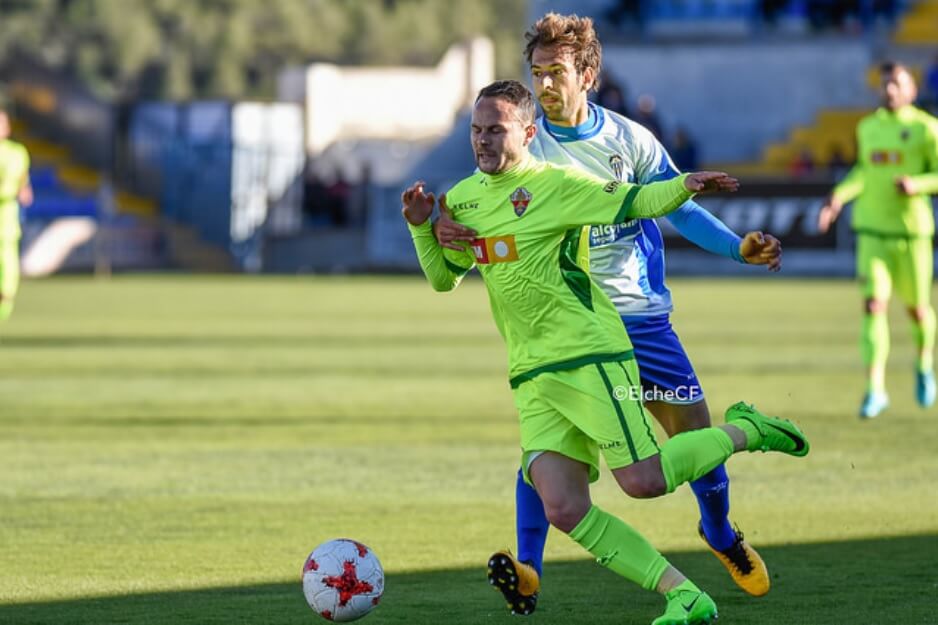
(417, 205)
(906, 186)
(710, 181)
(828, 215)
(447, 231)
(25, 196)
(761, 249)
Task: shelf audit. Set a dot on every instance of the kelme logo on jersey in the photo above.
(616, 164)
(490, 250)
(520, 199)
(611, 187)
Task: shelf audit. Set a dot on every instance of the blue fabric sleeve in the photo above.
(701, 228)
(696, 224)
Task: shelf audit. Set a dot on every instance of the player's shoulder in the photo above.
(871, 120)
(925, 118)
(628, 129)
(13, 146)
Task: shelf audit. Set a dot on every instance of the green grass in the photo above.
(171, 448)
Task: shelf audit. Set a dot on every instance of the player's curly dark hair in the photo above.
(567, 31)
(514, 92)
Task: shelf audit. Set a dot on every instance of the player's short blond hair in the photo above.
(570, 32)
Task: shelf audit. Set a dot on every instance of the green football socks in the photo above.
(691, 455)
(924, 333)
(874, 347)
(620, 548)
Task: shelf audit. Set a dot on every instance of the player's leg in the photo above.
(726, 542)
(643, 472)
(673, 395)
(874, 259)
(564, 487)
(531, 525)
(913, 284)
(566, 462)
(9, 275)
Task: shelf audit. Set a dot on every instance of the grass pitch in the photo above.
(171, 448)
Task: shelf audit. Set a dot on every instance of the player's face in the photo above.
(499, 136)
(4, 126)
(897, 89)
(558, 86)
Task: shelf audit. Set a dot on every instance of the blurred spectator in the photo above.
(626, 12)
(612, 96)
(684, 150)
(837, 166)
(338, 193)
(315, 198)
(803, 163)
(771, 9)
(832, 14)
(930, 95)
(884, 9)
(646, 115)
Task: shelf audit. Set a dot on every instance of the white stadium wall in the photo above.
(407, 103)
(737, 97)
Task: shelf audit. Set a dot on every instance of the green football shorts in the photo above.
(584, 411)
(906, 263)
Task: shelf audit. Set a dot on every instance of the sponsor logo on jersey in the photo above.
(611, 187)
(464, 206)
(606, 235)
(905, 134)
(617, 165)
(520, 199)
(886, 157)
(491, 250)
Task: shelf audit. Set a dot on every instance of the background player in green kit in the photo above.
(896, 170)
(571, 366)
(14, 191)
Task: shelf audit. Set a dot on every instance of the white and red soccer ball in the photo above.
(342, 580)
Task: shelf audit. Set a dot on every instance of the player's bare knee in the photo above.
(566, 514)
(642, 484)
(919, 313)
(874, 306)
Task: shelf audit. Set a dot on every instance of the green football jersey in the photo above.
(529, 219)
(14, 167)
(891, 145)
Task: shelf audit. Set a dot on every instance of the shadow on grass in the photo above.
(881, 581)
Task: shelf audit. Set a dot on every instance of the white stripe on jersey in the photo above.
(626, 260)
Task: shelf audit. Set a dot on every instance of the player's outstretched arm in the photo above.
(661, 198)
(828, 214)
(442, 273)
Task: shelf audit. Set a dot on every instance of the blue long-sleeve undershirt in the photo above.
(701, 228)
(697, 224)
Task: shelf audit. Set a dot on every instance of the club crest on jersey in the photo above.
(615, 162)
(520, 199)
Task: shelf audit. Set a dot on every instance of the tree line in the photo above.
(197, 49)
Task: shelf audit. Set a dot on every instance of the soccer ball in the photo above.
(342, 580)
